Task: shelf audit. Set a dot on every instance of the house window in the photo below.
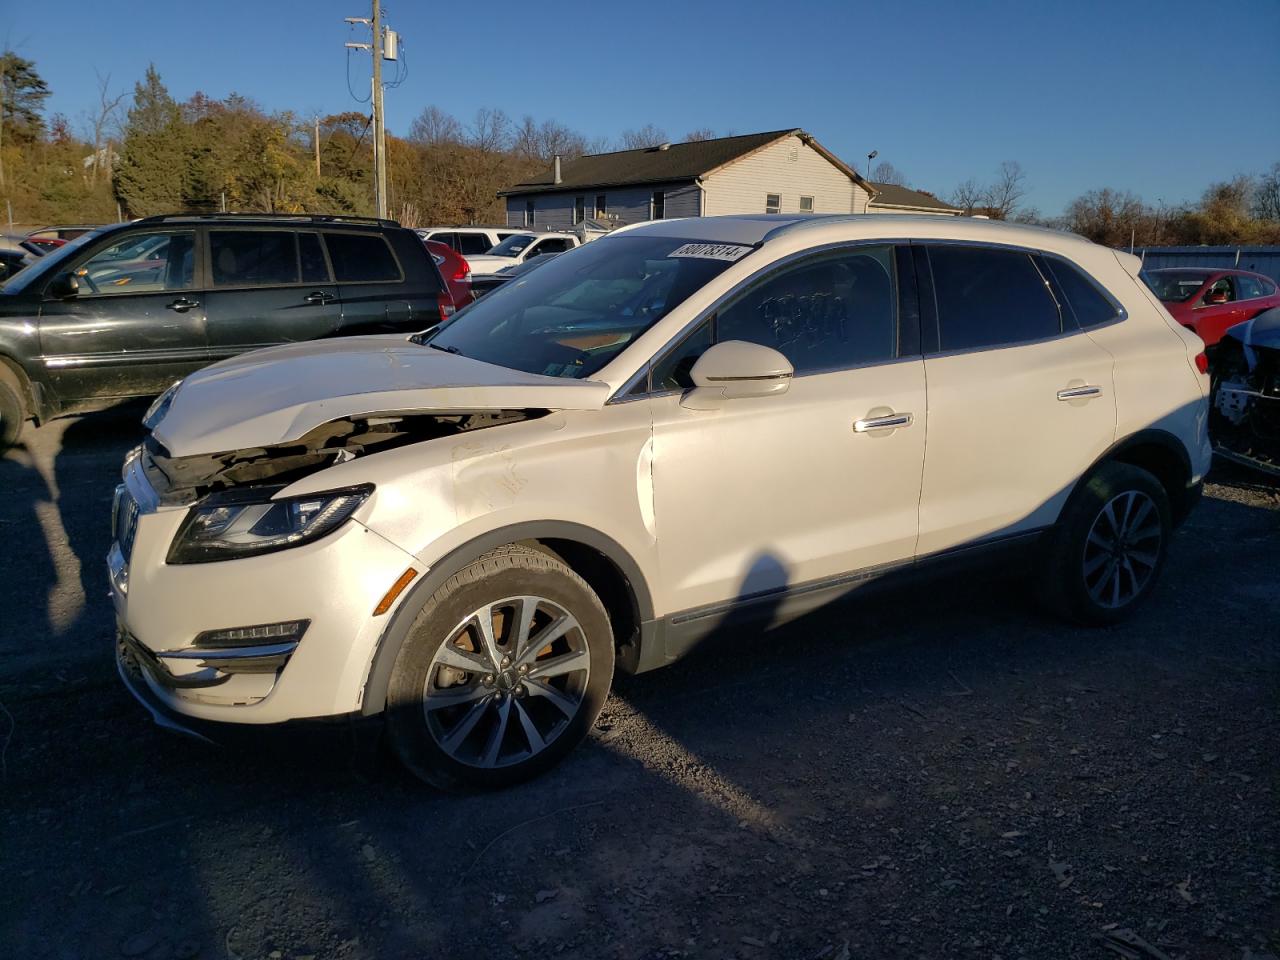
(659, 207)
(528, 213)
(600, 206)
(806, 204)
(579, 209)
(772, 203)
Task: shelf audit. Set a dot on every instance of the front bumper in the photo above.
(334, 583)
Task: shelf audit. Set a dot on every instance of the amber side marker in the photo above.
(397, 588)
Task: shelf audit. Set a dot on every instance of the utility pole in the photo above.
(315, 140)
(383, 45)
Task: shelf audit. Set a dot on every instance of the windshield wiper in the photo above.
(453, 350)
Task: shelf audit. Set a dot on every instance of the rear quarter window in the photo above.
(990, 298)
(1084, 299)
(361, 258)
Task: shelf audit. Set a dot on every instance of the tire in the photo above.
(13, 414)
(452, 696)
(1093, 576)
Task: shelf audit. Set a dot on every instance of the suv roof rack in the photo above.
(291, 217)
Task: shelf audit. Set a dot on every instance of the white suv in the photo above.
(645, 442)
(468, 241)
(521, 248)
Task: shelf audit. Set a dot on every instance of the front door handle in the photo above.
(318, 296)
(1083, 392)
(890, 421)
(182, 304)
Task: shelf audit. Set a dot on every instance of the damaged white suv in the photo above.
(638, 446)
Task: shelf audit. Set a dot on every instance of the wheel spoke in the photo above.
(450, 656)
(538, 688)
(1150, 532)
(1099, 541)
(536, 741)
(1141, 514)
(468, 723)
(552, 632)
(1115, 586)
(1110, 512)
(1094, 565)
(558, 666)
(528, 607)
(494, 746)
(453, 696)
(1141, 556)
(484, 622)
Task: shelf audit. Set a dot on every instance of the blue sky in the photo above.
(1160, 98)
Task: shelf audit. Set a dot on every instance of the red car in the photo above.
(455, 271)
(1209, 301)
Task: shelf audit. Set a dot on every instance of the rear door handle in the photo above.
(891, 421)
(182, 304)
(318, 296)
(1079, 393)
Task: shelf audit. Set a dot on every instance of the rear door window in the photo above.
(470, 244)
(253, 257)
(1083, 298)
(989, 297)
(311, 256)
(361, 258)
(1249, 287)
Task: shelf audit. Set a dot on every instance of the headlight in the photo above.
(160, 406)
(246, 523)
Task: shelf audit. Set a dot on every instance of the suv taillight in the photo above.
(447, 309)
(1202, 362)
(463, 273)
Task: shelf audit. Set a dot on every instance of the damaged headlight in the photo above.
(160, 406)
(246, 523)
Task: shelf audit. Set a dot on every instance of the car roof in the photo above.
(763, 227)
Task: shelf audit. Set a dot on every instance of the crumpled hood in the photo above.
(274, 396)
(484, 264)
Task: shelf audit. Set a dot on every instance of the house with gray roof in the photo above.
(781, 171)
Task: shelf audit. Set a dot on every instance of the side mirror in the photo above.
(734, 369)
(67, 285)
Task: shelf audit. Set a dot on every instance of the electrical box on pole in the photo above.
(390, 45)
(384, 45)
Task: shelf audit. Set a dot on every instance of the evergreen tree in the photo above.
(150, 178)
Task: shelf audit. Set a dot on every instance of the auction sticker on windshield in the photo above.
(712, 251)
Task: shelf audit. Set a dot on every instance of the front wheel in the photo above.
(12, 414)
(503, 673)
(1109, 547)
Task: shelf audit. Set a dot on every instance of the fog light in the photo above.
(290, 631)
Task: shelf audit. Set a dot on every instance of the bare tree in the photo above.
(701, 133)
(433, 127)
(102, 126)
(490, 131)
(646, 136)
(1266, 195)
(542, 141)
(1004, 196)
(886, 172)
(969, 197)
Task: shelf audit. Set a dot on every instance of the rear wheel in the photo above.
(13, 414)
(1109, 547)
(504, 672)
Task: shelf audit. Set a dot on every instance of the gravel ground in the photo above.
(935, 773)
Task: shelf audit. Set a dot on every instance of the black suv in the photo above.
(125, 310)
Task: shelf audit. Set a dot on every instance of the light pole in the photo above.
(871, 156)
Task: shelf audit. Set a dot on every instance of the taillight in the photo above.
(463, 272)
(447, 309)
(1202, 362)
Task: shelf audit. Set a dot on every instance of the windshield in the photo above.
(49, 264)
(512, 246)
(1175, 286)
(571, 316)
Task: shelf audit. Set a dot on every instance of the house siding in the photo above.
(789, 168)
(624, 205)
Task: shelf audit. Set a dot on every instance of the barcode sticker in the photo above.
(712, 251)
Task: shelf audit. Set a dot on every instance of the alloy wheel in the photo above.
(1122, 550)
(506, 682)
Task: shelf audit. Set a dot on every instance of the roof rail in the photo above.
(293, 217)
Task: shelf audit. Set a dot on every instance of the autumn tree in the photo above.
(152, 172)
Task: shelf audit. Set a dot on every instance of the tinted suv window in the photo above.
(834, 312)
(989, 298)
(314, 269)
(550, 246)
(359, 257)
(471, 243)
(1083, 297)
(254, 257)
(140, 263)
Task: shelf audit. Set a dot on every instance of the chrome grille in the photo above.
(124, 520)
